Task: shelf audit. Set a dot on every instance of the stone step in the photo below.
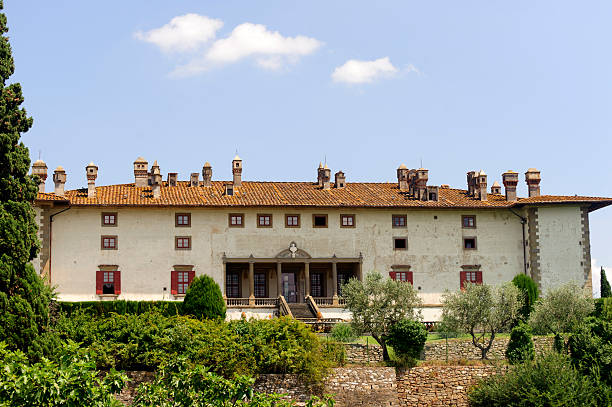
(301, 311)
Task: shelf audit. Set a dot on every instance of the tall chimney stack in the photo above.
(402, 177)
(533, 178)
(194, 180)
(92, 173)
(510, 180)
(141, 173)
(40, 168)
(340, 180)
(496, 188)
(482, 185)
(59, 178)
(156, 180)
(237, 170)
(172, 179)
(207, 174)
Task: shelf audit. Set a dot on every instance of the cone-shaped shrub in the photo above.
(520, 347)
(530, 294)
(203, 299)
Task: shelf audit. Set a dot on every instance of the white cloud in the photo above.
(355, 71)
(183, 33)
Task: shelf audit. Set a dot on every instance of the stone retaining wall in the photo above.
(357, 354)
(464, 350)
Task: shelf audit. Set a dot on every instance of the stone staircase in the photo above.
(301, 311)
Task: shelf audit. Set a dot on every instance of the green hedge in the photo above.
(603, 308)
(121, 307)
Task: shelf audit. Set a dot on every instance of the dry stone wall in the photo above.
(465, 350)
(357, 354)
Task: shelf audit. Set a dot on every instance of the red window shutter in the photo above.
(410, 277)
(392, 275)
(462, 278)
(479, 277)
(190, 276)
(174, 282)
(99, 281)
(117, 282)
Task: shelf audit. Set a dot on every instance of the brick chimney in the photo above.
(172, 179)
(59, 178)
(510, 180)
(533, 178)
(194, 180)
(156, 180)
(141, 172)
(237, 170)
(324, 176)
(340, 180)
(496, 188)
(207, 174)
(421, 176)
(40, 168)
(482, 185)
(402, 177)
(92, 173)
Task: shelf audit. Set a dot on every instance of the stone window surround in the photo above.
(287, 216)
(235, 225)
(396, 238)
(470, 238)
(183, 239)
(405, 221)
(463, 219)
(109, 247)
(314, 216)
(347, 216)
(104, 215)
(182, 225)
(262, 216)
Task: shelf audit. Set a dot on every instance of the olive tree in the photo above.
(482, 311)
(377, 303)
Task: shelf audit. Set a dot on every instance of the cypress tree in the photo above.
(24, 298)
(203, 299)
(604, 285)
(530, 292)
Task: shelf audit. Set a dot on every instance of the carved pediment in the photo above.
(293, 252)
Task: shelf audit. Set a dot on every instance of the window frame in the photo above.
(347, 216)
(262, 215)
(396, 238)
(465, 238)
(257, 286)
(242, 219)
(104, 214)
(113, 237)
(180, 214)
(238, 284)
(287, 216)
(408, 274)
(404, 217)
(176, 244)
(463, 277)
(463, 219)
(315, 215)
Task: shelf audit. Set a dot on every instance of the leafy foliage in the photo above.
(72, 381)
(343, 332)
(520, 347)
(481, 311)
(23, 296)
(378, 303)
(530, 294)
(407, 338)
(604, 285)
(603, 308)
(105, 308)
(550, 380)
(204, 299)
(591, 350)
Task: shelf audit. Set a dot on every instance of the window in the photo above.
(182, 242)
(469, 243)
(232, 284)
(468, 221)
(399, 221)
(236, 220)
(229, 190)
(347, 221)
(260, 285)
(108, 281)
(109, 219)
(182, 220)
(316, 285)
(433, 196)
(401, 276)
(180, 280)
(109, 242)
(474, 277)
(264, 221)
(292, 221)
(400, 243)
(319, 221)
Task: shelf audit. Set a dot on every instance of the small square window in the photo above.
(469, 243)
(347, 221)
(109, 242)
(109, 219)
(264, 221)
(236, 220)
(182, 242)
(405, 276)
(182, 220)
(399, 221)
(468, 221)
(319, 221)
(400, 243)
(292, 221)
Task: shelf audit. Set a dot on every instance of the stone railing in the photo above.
(283, 307)
(266, 302)
(313, 307)
(247, 303)
(323, 301)
(237, 302)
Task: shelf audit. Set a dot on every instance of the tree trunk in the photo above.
(383, 346)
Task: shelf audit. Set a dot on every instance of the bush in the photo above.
(122, 307)
(204, 299)
(548, 381)
(591, 350)
(603, 308)
(530, 294)
(407, 338)
(343, 333)
(520, 347)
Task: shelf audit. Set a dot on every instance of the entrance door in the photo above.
(289, 287)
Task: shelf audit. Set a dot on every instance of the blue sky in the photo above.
(491, 85)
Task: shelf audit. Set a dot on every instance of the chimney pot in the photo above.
(172, 179)
(40, 168)
(237, 170)
(207, 174)
(194, 180)
(402, 177)
(92, 173)
(510, 181)
(533, 178)
(59, 179)
(141, 172)
(340, 180)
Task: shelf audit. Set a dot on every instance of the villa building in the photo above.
(273, 243)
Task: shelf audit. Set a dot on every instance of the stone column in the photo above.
(224, 283)
(307, 278)
(335, 283)
(251, 283)
(360, 271)
(279, 280)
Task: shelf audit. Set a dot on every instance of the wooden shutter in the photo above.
(479, 277)
(99, 281)
(392, 275)
(117, 282)
(190, 276)
(462, 278)
(173, 282)
(410, 277)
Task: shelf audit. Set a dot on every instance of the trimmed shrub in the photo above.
(122, 307)
(530, 294)
(343, 333)
(204, 299)
(520, 347)
(407, 338)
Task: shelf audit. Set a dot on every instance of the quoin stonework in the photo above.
(275, 247)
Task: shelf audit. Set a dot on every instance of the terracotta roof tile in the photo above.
(297, 194)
